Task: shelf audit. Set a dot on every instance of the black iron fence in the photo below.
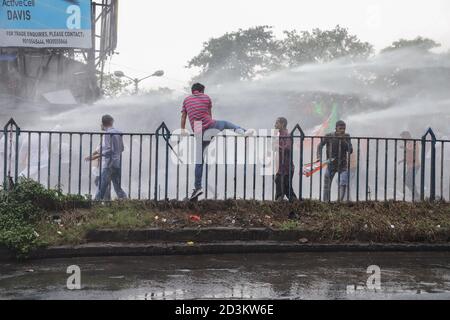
(161, 165)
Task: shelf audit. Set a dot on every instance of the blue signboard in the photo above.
(45, 23)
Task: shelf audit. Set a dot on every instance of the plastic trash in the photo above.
(194, 218)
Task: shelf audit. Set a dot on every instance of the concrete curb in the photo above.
(154, 241)
(222, 234)
(236, 247)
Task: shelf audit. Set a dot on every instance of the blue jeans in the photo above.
(328, 179)
(108, 189)
(219, 125)
(110, 175)
(224, 125)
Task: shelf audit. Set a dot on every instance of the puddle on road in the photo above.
(257, 276)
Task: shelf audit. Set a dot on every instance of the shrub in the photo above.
(23, 206)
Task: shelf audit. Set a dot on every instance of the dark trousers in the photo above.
(108, 189)
(328, 180)
(282, 183)
(411, 176)
(110, 175)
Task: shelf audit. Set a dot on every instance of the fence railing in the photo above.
(161, 165)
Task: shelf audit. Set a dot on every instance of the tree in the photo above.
(114, 86)
(322, 46)
(245, 54)
(419, 44)
(161, 91)
(239, 55)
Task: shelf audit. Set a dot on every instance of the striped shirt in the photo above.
(198, 106)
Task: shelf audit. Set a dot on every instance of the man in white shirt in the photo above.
(111, 150)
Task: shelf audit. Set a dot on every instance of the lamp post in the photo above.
(136, 81)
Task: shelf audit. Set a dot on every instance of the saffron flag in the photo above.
(327, 126)
(311, 168)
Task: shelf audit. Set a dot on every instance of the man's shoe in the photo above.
(196, 193)
(250, 133)
(240, 132)
(245, 133)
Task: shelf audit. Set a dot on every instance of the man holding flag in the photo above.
(338, 147)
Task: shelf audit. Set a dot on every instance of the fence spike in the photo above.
(298, 128)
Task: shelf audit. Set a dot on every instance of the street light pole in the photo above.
(136, 86)
(136, 81)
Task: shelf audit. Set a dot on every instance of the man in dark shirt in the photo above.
(339, 146)
(283, 179)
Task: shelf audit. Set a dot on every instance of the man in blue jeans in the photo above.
(339, 148)
(198, 108)
(110, 154)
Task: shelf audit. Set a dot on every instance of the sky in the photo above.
(165, 35)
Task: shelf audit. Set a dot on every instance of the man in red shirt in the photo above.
(198, 108)
(411, 161)
(283, 178)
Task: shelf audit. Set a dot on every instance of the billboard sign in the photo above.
(45, 23)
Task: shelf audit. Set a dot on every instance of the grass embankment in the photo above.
(385, 222)
(31, 217)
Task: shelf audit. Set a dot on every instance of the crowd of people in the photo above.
(197, 107)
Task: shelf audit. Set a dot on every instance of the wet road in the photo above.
(263, 276)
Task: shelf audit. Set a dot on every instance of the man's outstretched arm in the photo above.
(183, 120)
(320, 147)
(350, 146)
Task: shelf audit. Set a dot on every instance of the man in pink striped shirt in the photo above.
(198, 108)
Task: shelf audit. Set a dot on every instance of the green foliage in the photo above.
(245, 54)
(46, 199)
(420, 44)
(23, 206)
(239, 55)
(289, 225)
(114, 86)
(160, 92)
(323, 46)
